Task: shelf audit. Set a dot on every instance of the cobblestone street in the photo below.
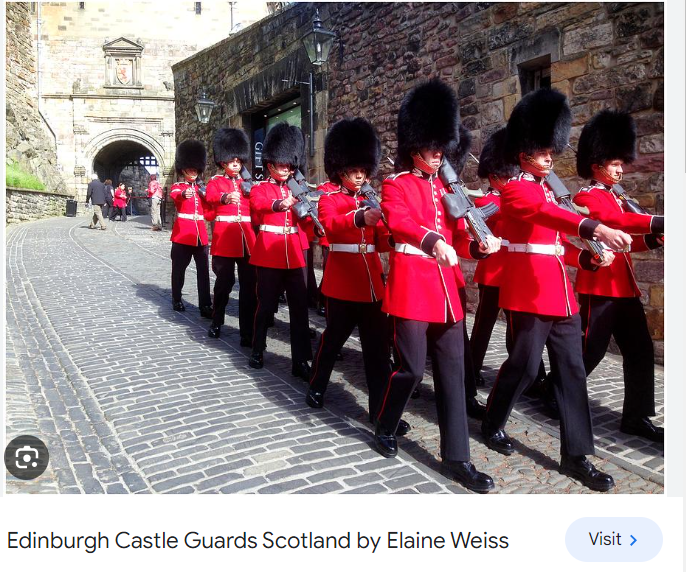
(132, 397)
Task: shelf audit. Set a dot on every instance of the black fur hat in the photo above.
(351, 143)
(428, 119)
(541, 120)
(609, 135)
(493, 160)
(229, 143)
(190, 154)
(285, 144)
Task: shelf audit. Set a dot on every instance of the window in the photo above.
(198, 7)
(535, 74)
(82, 5)
(263, 120)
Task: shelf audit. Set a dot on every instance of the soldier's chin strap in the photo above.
(276, 175)
(350, 184)
(540, 171)
(613, 178)
(423, 166)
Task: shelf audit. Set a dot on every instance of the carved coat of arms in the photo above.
(124, 71)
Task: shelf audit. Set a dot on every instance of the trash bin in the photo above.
(71, 207)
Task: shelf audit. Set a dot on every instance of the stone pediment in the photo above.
(122, 46)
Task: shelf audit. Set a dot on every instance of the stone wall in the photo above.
(29, 142)
(23, 205)
(600, 55)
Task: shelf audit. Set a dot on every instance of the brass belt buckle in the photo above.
(558, 250)
(363, 249)
(285, 229)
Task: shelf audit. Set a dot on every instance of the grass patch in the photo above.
(16, 177)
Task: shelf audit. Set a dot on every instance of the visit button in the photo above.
(614, 539)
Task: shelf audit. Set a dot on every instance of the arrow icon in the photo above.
(634, 542)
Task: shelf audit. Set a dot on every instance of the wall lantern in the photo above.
(204, 108)
(318, 41)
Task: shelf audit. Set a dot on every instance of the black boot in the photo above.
(206, 312)
(385, 441)
(315, 399)
(403, 428)
(256, 360)
(581, 469)
(643, 427)
(179, 307)
(474, 409)
(496, 439)
(214, 331)
(301, 370)
(466, 474)
(246, 342)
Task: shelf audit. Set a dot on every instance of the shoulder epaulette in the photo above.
(586, 189)
(396, 175)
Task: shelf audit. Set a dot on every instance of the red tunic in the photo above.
(357, 277)
(327, 187)
(489, 270)
(229, 238)
(537, 283)
(188, 230)
(418, 288)
(120, 197)
(616, 280)
(273, 250)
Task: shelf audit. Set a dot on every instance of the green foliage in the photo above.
(16, 177)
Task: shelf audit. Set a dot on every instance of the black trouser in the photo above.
(341, 317)
(325, 256)
(270, 283)
(469, 371)
(181, 255)
(484, 320)
(224, 268)
(121, 211)
(530, 334)
(623, 318)
(444, 343)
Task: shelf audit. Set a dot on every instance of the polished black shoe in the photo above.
(497, 439)
(643, 427)
(466, 474)
(246, 342)
(339, 356)
(315, 399)
(179, 307)
(581, 469)
(256, 360)
(214, 331)
(321, 311)
(385, 442)
(474, 409)
(415, 394)
(480, 381)
(403, 428)
(206, 311)
(301, 370)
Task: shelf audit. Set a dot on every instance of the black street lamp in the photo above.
(318, 42)
(204, 108)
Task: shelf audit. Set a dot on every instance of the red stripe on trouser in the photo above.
(321, 347)
(588, 324)
(400, 366)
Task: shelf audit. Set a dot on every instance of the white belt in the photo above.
(355, 248)
(279, 229)
(233, 218)
(191, 216)
(549, 249)
(504, 242)
(409, 249)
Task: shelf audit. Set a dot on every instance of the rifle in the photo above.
(246, 184)
(564, 199)
(306, 206)
(631, 204)
(458, 204)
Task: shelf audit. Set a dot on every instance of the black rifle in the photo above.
(564, 199)
(371, 200)
(306, 206)
(202, 189)
(631, 205)
(246, 184)
(458, 205)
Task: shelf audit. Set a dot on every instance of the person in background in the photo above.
(119, 203)
(108, 205)
(155, 194)
(96, 195)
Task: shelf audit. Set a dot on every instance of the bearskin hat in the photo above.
(492, 160)
(190, 154)
(351, 143)
(285, 143)
(428, 119)
(609, 135)
(229, 143)
(541, 120)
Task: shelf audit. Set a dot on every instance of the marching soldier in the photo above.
(353, 278)
(279, 252)
(422, 294)
(189, 235)
(233, 237)
(535, 287)
(610, 298)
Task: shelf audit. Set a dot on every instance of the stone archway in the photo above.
(123, 137)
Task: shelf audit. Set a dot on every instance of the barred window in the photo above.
(198, 7)
(534, 74)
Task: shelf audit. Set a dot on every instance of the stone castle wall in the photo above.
(29, 142)
(600, 55)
